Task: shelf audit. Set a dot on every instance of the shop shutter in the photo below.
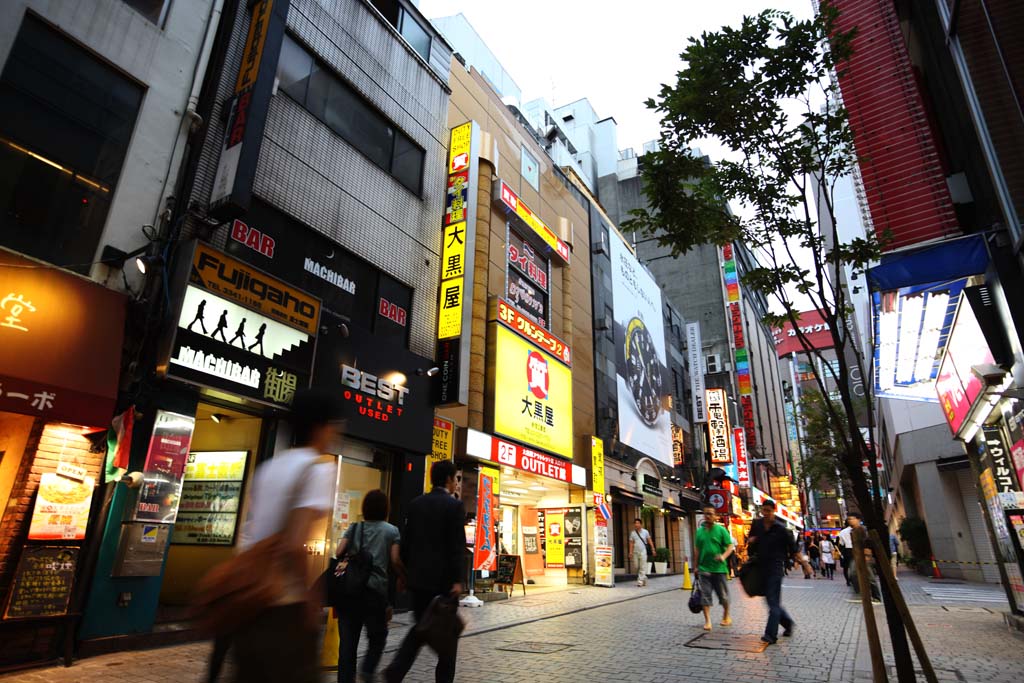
(976, 521)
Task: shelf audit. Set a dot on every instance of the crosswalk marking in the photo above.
(963, 594)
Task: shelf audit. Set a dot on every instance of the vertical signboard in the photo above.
(554, 550)
(165, 467)
(739, 439)
(696, 363)
(485, 555)
(597, 465)
(996, 455)
(440, 450)
(734, 311)
(247, 109)
(640, 358)
(719, 434)
(455, 294)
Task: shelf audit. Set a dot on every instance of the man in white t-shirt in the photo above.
(853, 520)
(639, 541)
(291, 492)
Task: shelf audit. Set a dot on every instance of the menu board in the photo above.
(211, 495)
(62, 507)
(164, 468)
(42, 582)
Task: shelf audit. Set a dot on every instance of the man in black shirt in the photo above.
(772, 544)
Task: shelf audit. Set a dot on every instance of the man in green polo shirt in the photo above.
(714, 546)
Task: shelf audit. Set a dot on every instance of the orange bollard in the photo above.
(936, 574)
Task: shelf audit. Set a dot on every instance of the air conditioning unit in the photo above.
(601, 245)
(603, 323)
(713, 362)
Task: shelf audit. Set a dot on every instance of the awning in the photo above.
(60, 343)
(674, 510)
(625, 496)
(689, 499)
(948, 260)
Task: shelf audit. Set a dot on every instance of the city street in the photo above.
(630, 634)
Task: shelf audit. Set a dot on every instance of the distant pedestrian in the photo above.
(380, 540)
(639, 541)
(814, 553)
(434, 555)
(773, 545)
(291, 493)
(714, 545)
(894, 553)
(828, 558)
(853, 521)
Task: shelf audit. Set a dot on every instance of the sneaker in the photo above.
(789, 631)
(769, 641)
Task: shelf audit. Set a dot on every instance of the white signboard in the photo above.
(696, 362)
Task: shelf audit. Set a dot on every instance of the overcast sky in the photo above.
(617, 54)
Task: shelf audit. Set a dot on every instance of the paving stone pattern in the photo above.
(629, 634)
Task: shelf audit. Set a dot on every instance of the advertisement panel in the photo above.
(719, 434)
(441, 449)
(485, 553)
(734, 310)
(739, 439)
(554, 552)
(211, 495)
(514, 205)
(165, 466)
(957, 387)
(597, 464)
(603, 570)
(61, 510)
(532, 394)
(694, 353)
(640, 361)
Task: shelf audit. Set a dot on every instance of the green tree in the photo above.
(767, 92)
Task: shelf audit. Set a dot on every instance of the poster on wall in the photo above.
(211, 495)
(441, 449)
(554, 541)
(61, 510)
(165, 466)
(640, 361)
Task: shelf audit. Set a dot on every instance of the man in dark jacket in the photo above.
(773, 545)
(434, 554)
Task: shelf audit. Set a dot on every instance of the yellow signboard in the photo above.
(442, 449)
(453, 251)
(254, 43)
(532, 394)
(495, 475)
(458, 149)
(449, 319)
(554, 541)
(597, 464)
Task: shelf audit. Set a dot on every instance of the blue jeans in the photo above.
(773, 595)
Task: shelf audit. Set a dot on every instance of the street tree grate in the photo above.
(734, 643)
(535, 647)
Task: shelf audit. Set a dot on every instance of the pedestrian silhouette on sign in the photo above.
(259, 339)
(221, 326)
(239, 334)
(199, 317)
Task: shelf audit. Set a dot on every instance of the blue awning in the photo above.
(949, 260)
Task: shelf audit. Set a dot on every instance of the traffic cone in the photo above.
(687, 581)
(936, 574)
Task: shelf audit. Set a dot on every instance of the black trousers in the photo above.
(370, 611)
(847, 561)
(276, 647)
(410, 648)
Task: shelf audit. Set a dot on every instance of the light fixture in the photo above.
(429, 372)
(396, 378)
(219, 417)
(537, 487)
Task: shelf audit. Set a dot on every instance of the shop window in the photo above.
(333, 101)
(407, 25)
(66, 120)
(154, 10)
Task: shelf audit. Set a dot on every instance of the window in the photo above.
(66, 120)
(530, 169)
(344, 111)
(407, 25)
(154, 10)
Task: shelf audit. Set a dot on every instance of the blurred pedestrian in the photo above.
(828, 558)
(814, 553)
(714, 545)
(381, 541)
(434, 556)
(291, 493)
(773, 545)
(894, 553)
(853, 521)
(639, 541)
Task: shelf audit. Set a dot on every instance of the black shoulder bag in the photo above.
(348, 581)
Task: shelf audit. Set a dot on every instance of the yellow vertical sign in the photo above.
(449, 319)
(453, 251)
(254, 43)
(454, 234)
(441, 449)
(554, 541)
(597, 464)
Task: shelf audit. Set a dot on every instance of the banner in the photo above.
(440, 450)
(640, 359)
(694, 357)
(485, 554)
(739, 439)
(597, 464)
(555, 539)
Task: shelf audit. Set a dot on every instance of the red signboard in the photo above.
(721, 500)
(529, 460)
(516, 206)
(742, 465)
(485, 555)
(812, 326)
(749, 427)
(517, 322)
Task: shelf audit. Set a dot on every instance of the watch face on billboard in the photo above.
(644, 423)
(532, 394)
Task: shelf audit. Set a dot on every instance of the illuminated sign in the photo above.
(719, 433)
(515, 205)
(678, 446)
(449, 319)
(957, 387)
(742, 465)
(742, 356)
(487, 447)
(254, 44)
(519, 323)
(441, 449)
(524, 258)
(532, 394)
(253, 238)
(453, 251)
(12, 307)
(597, 466)
(781, 511)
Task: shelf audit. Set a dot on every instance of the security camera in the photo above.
(989, 373)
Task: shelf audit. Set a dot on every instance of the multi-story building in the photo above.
(935, 136)
(98, 108)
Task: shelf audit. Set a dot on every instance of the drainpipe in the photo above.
(212, 23)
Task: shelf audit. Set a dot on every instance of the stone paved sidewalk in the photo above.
(628, 634)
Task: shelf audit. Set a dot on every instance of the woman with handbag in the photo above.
(375, 543)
